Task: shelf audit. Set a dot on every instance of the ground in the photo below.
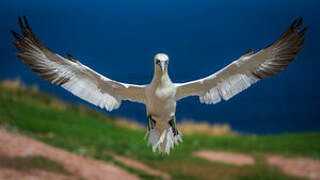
(63, 137)
(73, 166)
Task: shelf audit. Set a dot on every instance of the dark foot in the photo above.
(151, 123)
(172, 123)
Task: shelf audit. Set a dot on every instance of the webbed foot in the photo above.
(173, 124)
(151, 123)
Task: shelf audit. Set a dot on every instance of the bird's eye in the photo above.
(158, 62)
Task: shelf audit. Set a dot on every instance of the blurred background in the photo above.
(120, 38)
(269, 131)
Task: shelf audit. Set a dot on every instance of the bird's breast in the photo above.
(164, 93)
(161, 101)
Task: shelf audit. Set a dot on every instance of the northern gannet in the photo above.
(161, 95)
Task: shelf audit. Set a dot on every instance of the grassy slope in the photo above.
(96, 135)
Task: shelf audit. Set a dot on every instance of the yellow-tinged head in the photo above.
(161, 62)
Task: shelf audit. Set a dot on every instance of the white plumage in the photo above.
(161, 94)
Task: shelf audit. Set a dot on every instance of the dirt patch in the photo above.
(14, 145)
(225, 157)
(142, 167)
(302, 167)
(12, 174)
(31, 163)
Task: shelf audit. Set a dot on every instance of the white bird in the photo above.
(161, 95)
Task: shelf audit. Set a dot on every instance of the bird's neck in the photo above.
(161, 77)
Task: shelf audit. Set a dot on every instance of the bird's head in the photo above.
(161, 62)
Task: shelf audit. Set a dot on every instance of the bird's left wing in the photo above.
(248, 69)
(73, 76)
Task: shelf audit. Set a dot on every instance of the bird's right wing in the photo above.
(248, 69)
(73, 76)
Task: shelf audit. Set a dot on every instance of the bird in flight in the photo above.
(161, 95)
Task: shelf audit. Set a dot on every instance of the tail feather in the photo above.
(165, 142)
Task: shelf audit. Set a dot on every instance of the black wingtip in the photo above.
(296, 24)
(293, 23)
(23, 30)
(299, 22)
(20, 21)
(303, 30)
(26, 22)
(16, 35)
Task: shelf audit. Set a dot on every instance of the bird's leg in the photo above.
(172, 123)
(151, 123)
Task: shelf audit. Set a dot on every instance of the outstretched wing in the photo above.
(73, 76)
(248, 69)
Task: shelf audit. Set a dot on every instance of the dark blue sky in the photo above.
(200, 37)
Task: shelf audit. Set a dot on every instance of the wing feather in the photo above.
(73, 76)
(248, 69)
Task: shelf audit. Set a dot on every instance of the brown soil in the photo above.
(302, 167)
(225, 157)
(142, 167)
(12, 174)
(14, 145)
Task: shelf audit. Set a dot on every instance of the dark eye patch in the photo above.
(158, 62)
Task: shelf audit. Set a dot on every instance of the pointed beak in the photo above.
(162, 65)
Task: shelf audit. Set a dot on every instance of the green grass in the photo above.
(95, 134)
(30, 163)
